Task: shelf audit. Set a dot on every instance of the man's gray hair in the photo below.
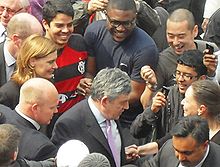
(110, 82)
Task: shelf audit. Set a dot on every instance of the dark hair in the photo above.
(193, 126)
(193, 58)
(207, 93)
(53, 7)
(180, 15)
(9, 140)
(122, 5)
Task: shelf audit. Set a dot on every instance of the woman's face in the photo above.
(44, 67)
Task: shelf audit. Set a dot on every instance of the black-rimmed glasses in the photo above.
(185, 76)
(125, 24)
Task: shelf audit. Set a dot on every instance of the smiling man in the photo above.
(72, 55)
(164, 112)
(118, 42)
(181, 31)
(88, 121)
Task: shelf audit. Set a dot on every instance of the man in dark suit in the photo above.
(88, 120)
(190, 146)
(37, 104)
(19, 28)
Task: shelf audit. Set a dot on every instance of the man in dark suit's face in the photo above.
(112, 109)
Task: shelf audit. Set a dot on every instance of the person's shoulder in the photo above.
(77, 42)
(97, 24)
(74, 113)
(10, 85)
(96, 27)
(142, 35)
(201, 45)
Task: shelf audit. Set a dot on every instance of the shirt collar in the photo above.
(9, 59)
(33, 122)
(99, 117)
(206, 154)
(2, 29)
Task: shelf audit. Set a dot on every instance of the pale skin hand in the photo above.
(148, 149)
(131, 152)
(148, 75)
(211, 62)
(159, 101)
(97, 5)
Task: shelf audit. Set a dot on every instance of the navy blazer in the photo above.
(34, 145)
(79, 123)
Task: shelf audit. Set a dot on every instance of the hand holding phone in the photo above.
(165, 90)
(210, 49)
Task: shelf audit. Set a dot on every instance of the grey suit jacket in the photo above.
(80, 123)
(166, 157)
(2, 65)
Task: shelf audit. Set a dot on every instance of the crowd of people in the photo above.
(109, 83)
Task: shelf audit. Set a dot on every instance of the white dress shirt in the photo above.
(33, 122)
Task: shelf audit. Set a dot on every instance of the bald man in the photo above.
(37, 104)
(19, 28)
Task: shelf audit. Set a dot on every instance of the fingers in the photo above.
(148, 74)
(211, 62)
(159, 101)
(97, 5)
(84, 86)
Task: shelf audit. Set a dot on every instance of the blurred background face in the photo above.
(120, 23)
(185, 76)
(180, 37)
(190, 105)
(188, 151)
(8, 8)
(44, 67)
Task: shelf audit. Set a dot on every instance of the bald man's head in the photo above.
(38, 100)
(24, 25)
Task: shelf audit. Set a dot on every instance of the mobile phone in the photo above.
(165, 90)
(210, 48)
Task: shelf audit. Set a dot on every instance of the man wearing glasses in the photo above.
(118, 42)
(165, 111)
(9, 8)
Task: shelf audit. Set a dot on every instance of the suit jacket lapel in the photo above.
(95, 130)
(2, 65)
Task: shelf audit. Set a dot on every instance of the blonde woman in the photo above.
(37, 58)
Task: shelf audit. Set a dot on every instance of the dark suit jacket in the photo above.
(2, 65)
(166, 157)
(9, 94)
(80, 123)
(216, 138)
(33, 144)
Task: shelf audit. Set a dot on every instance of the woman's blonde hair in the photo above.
(34, 46)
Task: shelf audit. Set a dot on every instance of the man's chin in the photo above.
(118, 39)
